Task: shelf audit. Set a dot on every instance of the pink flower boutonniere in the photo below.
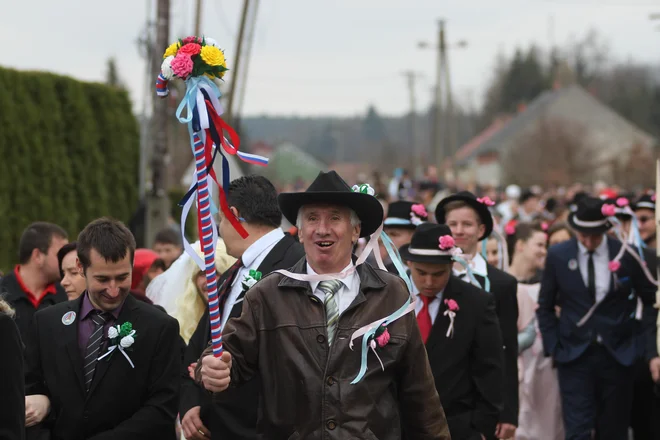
(486, 201)
(614, 265)
(452, 308)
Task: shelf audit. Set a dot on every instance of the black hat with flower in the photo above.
(431, 243)
(405, 215)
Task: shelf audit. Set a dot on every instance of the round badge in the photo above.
(573, 264)
(68, 318)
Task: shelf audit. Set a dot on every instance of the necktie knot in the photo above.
(330, 287)
(99, 317)
(427, 299)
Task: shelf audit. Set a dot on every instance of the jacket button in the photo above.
(330, 381)
(320, 339)
(331, 425)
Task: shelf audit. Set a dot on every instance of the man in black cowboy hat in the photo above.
(595, 340)
(402, 219)
(470, 221)
(460, 329)
(296, 327)
(644, 209)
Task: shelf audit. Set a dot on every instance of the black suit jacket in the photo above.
(123, 402)
(234, 411)
(505, 287)
(468, 366)
(12, 390)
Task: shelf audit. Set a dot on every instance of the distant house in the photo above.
(480, 159)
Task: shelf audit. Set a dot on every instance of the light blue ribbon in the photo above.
(396, 222)
(394, 255)
(470, 273)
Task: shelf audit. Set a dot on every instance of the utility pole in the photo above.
(235, 78)
(198, 17)
(252, 25)
(158, 205)
(411, 77)
(440, 151)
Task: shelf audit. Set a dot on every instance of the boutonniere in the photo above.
(452, 308)
(121, 337)
(379, 339)
(251, 279)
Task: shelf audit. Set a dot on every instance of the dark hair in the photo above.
(168, 236)
(158, 264)
(109, 237)
(560, 226)
(526, 195)
(458, 204)
(69, 247)
(524, 231)
(38, 235)
(255, 198)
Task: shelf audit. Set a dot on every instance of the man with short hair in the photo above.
(106, 364)
(400, 222)
(470, 221)
(295, 329)
(253, 201)
(459, 327)
(167, 244)
(33, 284)
(644, 209)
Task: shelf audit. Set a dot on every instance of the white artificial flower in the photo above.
(211, 42)
(166, 68)
(365, 188)
(127, 341)
(112, 333)
(249, 282)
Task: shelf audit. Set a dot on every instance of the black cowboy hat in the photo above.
(424, 246)
(399, 215)
(330, 188)
(646, 201)
(588, 218)
(471, 200)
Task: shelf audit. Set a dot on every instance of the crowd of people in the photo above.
(407, 310)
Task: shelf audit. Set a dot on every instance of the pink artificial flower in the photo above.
(544, 226)
(486, 201)
(653, 197)
(383, 339)
(182, 65)
(191, 39)
(446, 242)
(190, 49)
(608, 210)
(621, 202)
(452, 305)
(420, 210)
(614, 266)
(510, 229)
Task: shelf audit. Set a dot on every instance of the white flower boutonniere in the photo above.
(121, 337)
(251, 279)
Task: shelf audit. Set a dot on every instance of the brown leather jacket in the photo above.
(306, 385)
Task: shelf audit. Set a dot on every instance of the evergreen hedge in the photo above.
(69, 153)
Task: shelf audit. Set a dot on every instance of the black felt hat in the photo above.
(473, 202)
(589, 218)
(330, 188)
(646, 201)
(431, 243)
(400, 214)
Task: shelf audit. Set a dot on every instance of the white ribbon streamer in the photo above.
(452, 316)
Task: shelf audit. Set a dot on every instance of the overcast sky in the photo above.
(315, 57)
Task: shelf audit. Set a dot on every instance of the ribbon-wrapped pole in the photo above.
(657, 234)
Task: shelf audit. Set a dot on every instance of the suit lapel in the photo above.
(70, 335)
(574, 277)
(438, 337)
(128, 314)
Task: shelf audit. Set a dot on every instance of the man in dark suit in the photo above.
(253, 200)
(470, 222)
(106, 362)
(459, 326)
(595, 340)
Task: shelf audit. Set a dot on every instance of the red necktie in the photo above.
(424, 318)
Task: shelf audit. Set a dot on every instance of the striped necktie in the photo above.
(330, 288)
(93, 347)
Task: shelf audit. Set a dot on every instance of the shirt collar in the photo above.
(600, 250)
(34, 299)
(87, 308)
(261, 245)
(415, 291)
(346, 281)
(477, 264)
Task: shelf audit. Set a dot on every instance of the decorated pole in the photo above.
(657, 250)
(199, 61)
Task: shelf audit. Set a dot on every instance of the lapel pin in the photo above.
(68, 318)
(573, 264)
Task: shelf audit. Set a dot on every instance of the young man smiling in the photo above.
(295, 331)
(471, 222)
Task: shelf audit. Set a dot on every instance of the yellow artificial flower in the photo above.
(212, 56)
(171, 51)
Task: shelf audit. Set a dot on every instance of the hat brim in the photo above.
(409, 227)
(368, 208)
(482, 211)
(405, 254)
(596, 230)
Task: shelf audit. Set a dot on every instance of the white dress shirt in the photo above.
(601, 267)
(350, 287)
(252, 259)
(477, 264)
(434, 304)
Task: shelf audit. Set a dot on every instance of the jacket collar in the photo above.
(369, 278)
